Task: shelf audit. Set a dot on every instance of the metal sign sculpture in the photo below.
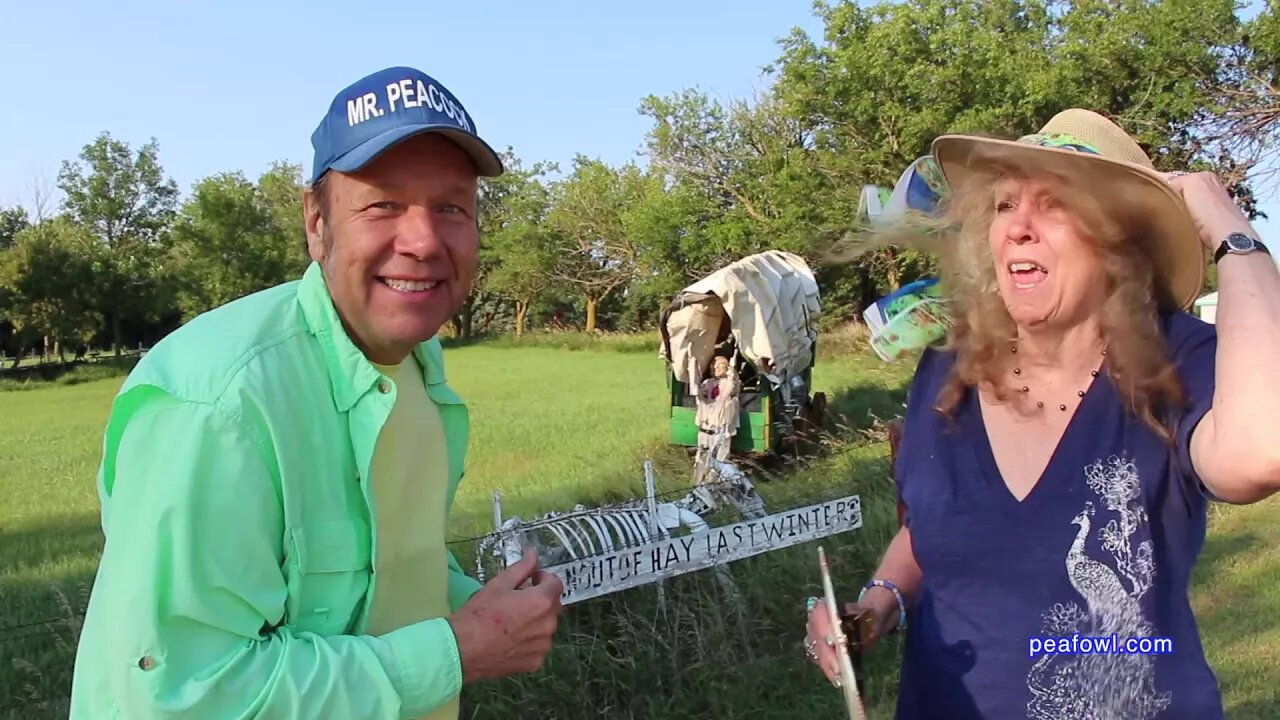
(600, 551)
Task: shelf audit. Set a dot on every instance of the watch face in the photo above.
(1240, 242)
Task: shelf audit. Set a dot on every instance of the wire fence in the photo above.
(29, 640)
(36, 637)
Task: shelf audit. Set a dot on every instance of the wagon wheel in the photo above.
(812, 418)
(790, 444)
(805, 426)
(817, 414)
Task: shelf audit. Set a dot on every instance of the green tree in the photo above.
(499, 208)
(883, 81)
(12, 221)
(47, 276)
(521, 246)
(234, 237)
(124, 200)
(595, 255)
(737, 179)
(1243, 123)
(281, 187)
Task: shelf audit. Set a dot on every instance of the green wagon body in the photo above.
(755, 432)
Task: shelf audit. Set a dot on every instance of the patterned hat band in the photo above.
(1060, 141)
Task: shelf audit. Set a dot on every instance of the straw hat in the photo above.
(1091, 144)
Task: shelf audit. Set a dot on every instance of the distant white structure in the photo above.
(1207, 307)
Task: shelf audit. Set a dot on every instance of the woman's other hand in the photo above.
(1215, 213)
(818, 641)
(881, 605)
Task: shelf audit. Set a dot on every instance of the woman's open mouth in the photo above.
(1026, 274)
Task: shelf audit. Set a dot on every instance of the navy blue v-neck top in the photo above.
(1101, 548)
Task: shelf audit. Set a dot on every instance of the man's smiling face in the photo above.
(397, 241)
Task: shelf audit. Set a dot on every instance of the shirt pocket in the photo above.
(330, 575)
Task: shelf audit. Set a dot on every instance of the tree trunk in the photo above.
(17, 358)
(592, 302)
(117, 337)
(522, 310)
(461, 322)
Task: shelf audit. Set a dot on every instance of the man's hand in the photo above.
(505, 629)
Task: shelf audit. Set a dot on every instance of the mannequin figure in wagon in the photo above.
(718, 408)
(1060, 450)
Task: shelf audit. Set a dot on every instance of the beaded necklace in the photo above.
(1017, 371)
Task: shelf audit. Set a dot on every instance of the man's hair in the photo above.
(320, 191)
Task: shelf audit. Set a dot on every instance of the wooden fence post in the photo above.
(895, 439)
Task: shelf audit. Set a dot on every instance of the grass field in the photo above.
(552, 427)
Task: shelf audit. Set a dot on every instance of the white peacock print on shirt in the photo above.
(1105, 685)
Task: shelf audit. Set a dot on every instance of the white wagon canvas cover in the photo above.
(771, 303)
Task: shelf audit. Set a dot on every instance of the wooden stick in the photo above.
(848, 683)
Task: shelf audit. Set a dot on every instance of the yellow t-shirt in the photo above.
(410, 477)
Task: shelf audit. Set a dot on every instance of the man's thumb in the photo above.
(514, 576)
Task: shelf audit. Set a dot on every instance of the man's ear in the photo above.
(313, 223)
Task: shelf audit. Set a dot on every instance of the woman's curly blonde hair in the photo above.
(982, 329)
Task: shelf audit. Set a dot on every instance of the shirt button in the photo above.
(383, 387)
(146, 662)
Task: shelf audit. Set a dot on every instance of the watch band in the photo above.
(1245, 243)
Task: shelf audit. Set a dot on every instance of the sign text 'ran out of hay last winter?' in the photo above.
(591, 577)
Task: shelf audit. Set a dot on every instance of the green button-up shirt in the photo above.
(237, 569)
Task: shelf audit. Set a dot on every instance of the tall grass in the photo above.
(550, 429)
(553, 428)
(628, 342)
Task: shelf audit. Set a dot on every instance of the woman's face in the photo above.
(1048, 273)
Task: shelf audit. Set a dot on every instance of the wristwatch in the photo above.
(1238, 244)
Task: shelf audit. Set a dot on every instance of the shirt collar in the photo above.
(351, 375)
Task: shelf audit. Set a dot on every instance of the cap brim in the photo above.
(1177, 253)
(487, 162)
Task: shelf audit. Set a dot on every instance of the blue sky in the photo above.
(235, 85)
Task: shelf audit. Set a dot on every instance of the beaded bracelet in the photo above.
(897, 594)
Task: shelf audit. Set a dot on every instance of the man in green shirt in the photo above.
(277, 473)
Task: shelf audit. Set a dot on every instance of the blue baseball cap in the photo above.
(379, 110)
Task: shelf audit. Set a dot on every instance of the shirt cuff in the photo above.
(423, 663)
(461, 588)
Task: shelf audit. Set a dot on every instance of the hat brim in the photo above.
(487, 162)
(1175, 246)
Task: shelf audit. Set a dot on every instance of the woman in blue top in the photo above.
(1059, 453)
